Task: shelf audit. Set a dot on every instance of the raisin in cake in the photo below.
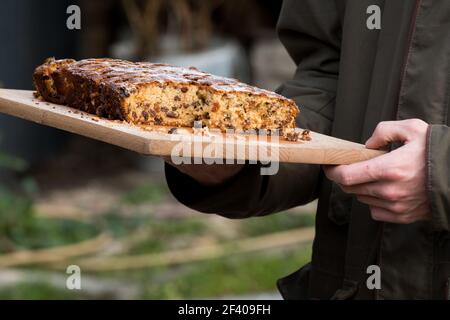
(150, 93)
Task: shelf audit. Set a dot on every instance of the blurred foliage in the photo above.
(233, 275)
(144, 233)
(35, 291)
(12, 163)
(40, 290)
(153, 193)
(227, 276)
(20, 228)
(118, 225)
(39, 233)
(168, 234)
(276, 222)
(158, 234)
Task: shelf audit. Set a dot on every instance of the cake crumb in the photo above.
(306, 135)
(296, 135)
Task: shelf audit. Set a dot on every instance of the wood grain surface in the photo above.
(155, 140)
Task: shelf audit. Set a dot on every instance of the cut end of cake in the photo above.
(48, 80)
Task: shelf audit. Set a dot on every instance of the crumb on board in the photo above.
(37, 96)
(296, 135)
(306, 135)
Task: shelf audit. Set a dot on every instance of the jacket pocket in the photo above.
(347, 292)
(340, 205)
(295, 286)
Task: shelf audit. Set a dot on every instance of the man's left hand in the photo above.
(394, 184)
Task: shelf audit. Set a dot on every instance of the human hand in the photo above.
(394, 184)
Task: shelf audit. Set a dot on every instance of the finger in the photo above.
(387, 132)
(380, 214)
(357, 173)
(382, 190)
(393, 206)
(372, 189)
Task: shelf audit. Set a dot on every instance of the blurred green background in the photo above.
(131, 239)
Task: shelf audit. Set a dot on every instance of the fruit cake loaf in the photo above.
(150, 93)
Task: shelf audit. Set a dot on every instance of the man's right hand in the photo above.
(208, 174)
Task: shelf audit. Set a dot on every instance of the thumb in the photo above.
(387, 132)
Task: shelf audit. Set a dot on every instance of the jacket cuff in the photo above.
(228, 199)
(438, 163)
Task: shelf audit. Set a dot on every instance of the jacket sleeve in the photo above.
(310, 31)
(439, 176)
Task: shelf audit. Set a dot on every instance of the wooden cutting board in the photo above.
(155, 140)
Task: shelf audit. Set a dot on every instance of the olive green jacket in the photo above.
(350, 78)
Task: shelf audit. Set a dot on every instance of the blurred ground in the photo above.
(141, 242)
